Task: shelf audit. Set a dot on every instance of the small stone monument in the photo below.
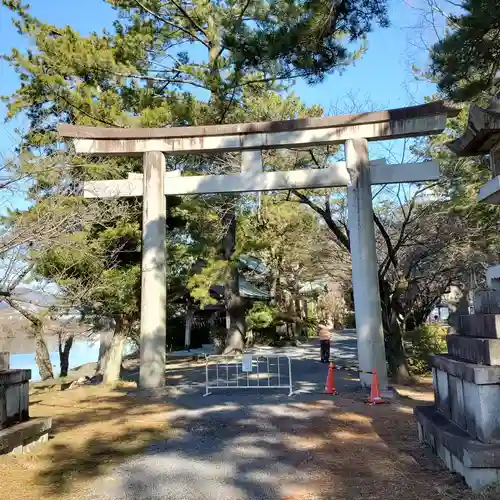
(4, 361)
(463, 426)
(18, 433)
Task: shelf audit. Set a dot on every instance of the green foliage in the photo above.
(166, 64)
(350, 320)
(309, 327)
(466, 59)
(427, 340)
(261, 315)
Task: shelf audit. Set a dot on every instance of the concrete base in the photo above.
(471, 406)
(474, 350)
(470, 372)
(487, 301)
(477, 463)
(480, 325)
(24, 437)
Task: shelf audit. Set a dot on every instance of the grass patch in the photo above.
(94, 428)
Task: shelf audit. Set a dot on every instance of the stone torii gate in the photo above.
(357, 173)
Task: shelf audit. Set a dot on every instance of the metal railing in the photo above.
(248, 371)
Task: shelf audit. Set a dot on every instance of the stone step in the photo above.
(480, 325)
(22, 437)
(477, 463)
(487, 302)
(493, 277)
(470, 372)
(471, 406)
(475, 350)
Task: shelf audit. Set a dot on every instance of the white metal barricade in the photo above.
(248, 371)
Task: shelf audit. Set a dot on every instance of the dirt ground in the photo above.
(93, 428)
(372, 452)
(358, 451)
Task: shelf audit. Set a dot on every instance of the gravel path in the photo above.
(235, 445)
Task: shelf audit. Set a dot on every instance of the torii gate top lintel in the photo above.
(411, 121)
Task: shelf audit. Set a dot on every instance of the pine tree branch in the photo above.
(170, 23)
(88, 115)
(243, 10)
(192, 22)
(154, 78)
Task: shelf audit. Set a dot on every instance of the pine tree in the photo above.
(169, 63)
(467, 59)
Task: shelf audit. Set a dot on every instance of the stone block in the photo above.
(4, 361)
(477, 463)
(14, 397)
(441, 393)
(472, 407)
(31, 446)
(487, 302)
(475, 350)
(456, 398)
(468, 450)
(481, 411)
(20, 438)
(477, 374)
(480, 325)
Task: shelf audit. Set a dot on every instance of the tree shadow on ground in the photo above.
(255, 445)
(94, 428)
(273, 450)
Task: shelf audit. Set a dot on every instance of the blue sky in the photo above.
(381, 79)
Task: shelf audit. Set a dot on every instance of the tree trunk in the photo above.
(274, 288)
(250, 338)
(298, 308)
(114, 358)
(187, 331)
(42, 356)
(235, 311)
(395, 351)
(393, 333)
(65, 344)
(104, 348)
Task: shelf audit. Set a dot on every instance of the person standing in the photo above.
(325, 336)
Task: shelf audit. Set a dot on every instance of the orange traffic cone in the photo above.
(330, 381)
(375, 397)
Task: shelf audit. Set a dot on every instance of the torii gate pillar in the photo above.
(153, 286)
(371, 350)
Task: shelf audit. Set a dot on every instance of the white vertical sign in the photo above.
(246, 363)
